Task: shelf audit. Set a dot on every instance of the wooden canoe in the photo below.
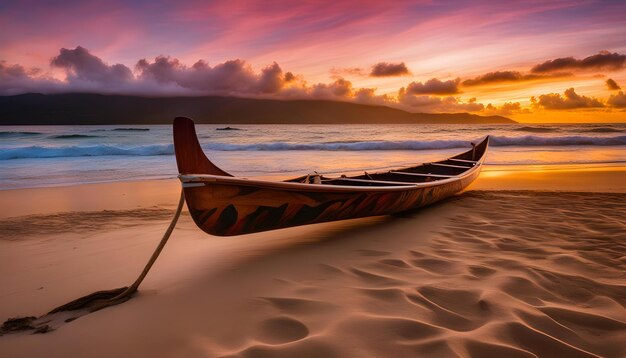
(223, 205)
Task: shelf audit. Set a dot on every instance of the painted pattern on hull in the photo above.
(226, 209)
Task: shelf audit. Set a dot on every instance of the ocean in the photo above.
(41, 156)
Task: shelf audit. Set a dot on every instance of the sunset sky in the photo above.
(533, 61)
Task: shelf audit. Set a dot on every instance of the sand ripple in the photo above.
(515, 274)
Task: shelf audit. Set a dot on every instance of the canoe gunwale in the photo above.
(209, 179)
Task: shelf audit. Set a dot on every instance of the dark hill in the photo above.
(117, 109)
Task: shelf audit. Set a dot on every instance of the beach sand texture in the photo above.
(483, 274)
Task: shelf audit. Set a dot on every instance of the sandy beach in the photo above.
(529, 262)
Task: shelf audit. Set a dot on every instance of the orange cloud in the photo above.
(507, 109)
(569, 100)
(368, 96)
(437, 104)
(340, 72)
(617, 100)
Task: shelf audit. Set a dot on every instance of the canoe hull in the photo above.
(233, 207)
(224, 205)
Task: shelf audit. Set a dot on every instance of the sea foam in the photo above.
(168, 149)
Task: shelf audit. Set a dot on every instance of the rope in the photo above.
(97, 303)
(97, 300)
(133, 288)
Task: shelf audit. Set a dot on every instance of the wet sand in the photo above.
(488, 273)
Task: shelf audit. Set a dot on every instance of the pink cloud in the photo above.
(15, 79)
(81, 65)
(230, 77)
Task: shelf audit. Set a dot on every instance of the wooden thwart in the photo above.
(424, 175)
(449, 165)
(371, 181)
(463, 160)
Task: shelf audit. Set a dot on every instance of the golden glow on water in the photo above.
(596, 178)
(496, 170)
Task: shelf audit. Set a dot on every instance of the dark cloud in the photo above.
(498, 76)
(617, 100)
(10, 72)
(11, 75)
(272, 79)
(612, 85)
(385, 69)
(83, 66)
(289, 77)
(434, 86)
(507, 76)
(602, 61)
(569, 100)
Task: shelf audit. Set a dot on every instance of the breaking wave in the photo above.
(78, 151)
(122, 130)
(168, 149)
(9, 134)
(537, 129)
(603, 130)
(497, 141)
(131, 129)
(74, 136)
(536, 141)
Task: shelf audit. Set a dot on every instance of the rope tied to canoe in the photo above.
(94, 301)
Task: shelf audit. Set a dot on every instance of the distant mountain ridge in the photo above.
(39, 109)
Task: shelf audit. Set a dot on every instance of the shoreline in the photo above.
(128, 195)
(575, 167)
